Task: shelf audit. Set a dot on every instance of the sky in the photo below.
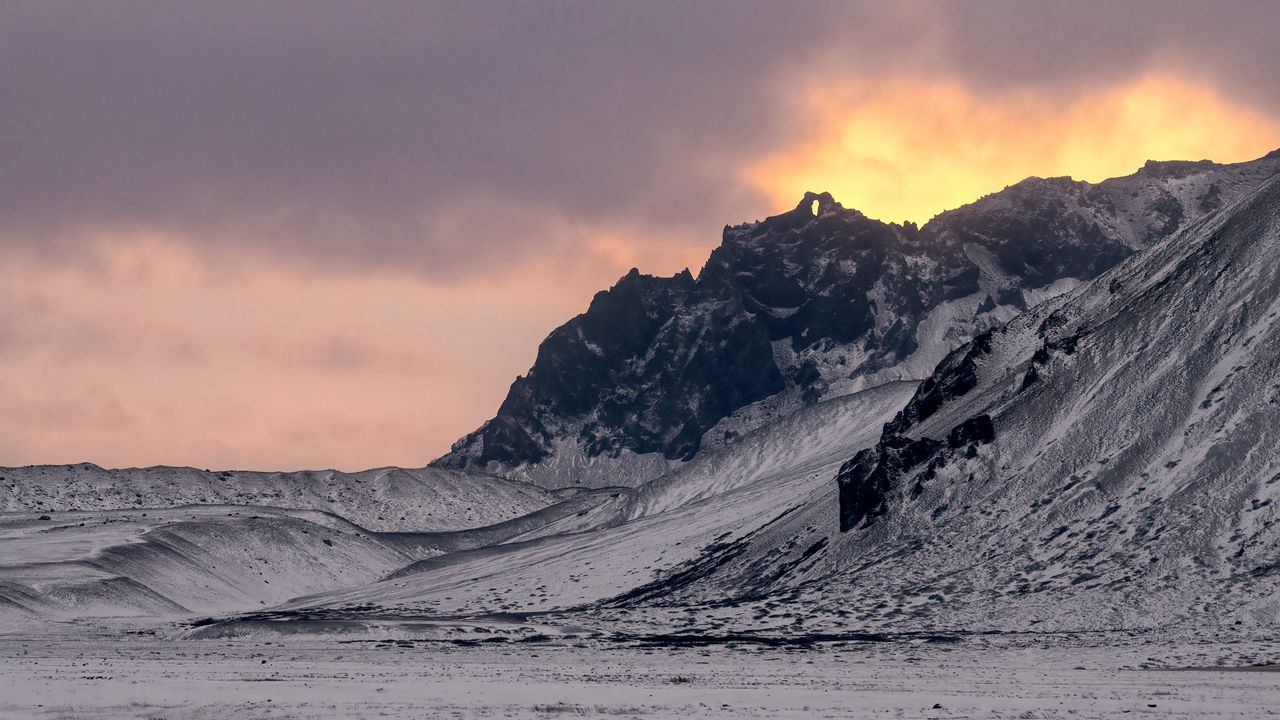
(314, 234)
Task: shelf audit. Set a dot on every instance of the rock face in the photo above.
(867, 480)
(811, 304)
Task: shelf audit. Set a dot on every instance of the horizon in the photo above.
(248, 237)
(695, 274)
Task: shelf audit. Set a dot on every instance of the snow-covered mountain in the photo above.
(815, 303)
(1108, 460)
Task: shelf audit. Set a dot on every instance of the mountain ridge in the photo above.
(813, 303)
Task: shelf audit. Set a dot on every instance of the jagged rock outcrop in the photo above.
(866, 481)
(810, 304)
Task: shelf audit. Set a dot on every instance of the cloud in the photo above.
(152, 354)
(367, 137)
(450, 136)
(909, 148)
(308, 233)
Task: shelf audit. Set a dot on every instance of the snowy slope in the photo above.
(179, 561)
(206, 559)
(383, 499)
(808, 439)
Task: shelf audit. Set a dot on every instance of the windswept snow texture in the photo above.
(179, 561)
(803, 307)
(1110, 460)
(383, 499)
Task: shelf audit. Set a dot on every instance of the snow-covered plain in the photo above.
(87, 675)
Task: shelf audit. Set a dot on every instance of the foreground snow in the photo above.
(143, 676)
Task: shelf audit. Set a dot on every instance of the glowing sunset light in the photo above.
(910, 148)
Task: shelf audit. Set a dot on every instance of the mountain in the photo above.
(1109, 460)
(815, 303)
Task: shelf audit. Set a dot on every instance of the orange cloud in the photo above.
(154, 352)
(909, 148)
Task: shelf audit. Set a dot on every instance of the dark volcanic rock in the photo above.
(956, 376)
(866, 481)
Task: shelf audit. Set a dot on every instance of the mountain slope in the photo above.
(811, 304)
(209, 558)
(1140, 421)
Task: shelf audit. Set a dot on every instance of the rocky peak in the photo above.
(1175, 168)
(824, 202)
